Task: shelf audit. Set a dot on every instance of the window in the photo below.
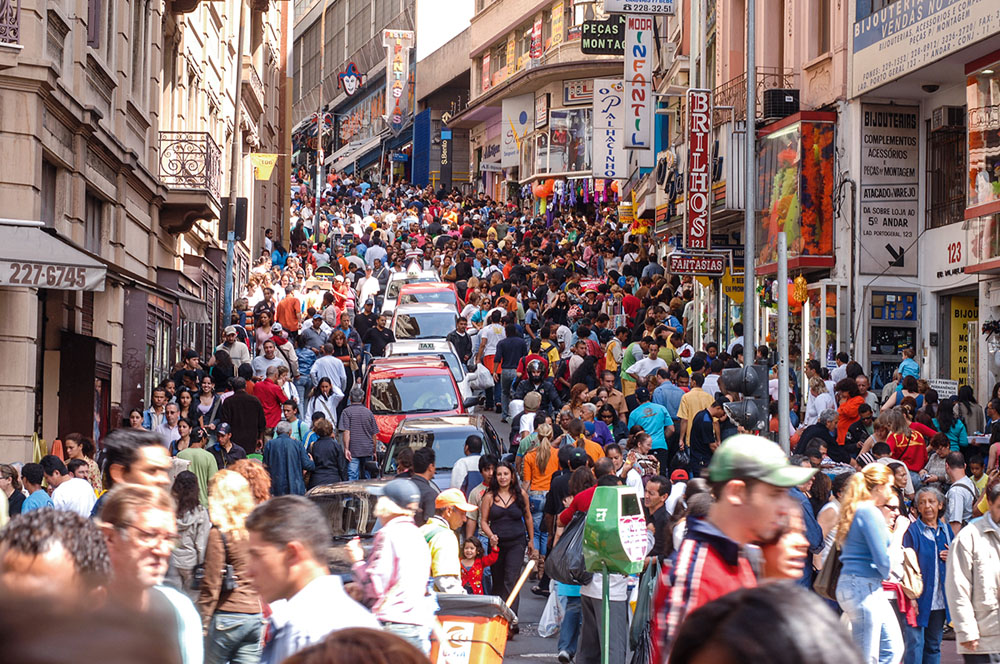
(820, 44)
(109, 37)
(94, 23)
(583, 10)
(139, 37)
(498, 59)
(50, 175)
(93, 223)
(945, 177)
(158, 360)
(866, 8)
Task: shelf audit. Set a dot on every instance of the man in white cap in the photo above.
(238, 351)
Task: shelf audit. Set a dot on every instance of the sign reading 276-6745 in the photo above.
(640, 6)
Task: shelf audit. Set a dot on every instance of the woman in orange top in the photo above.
(542, 462)
(850, 399)
(576, 431)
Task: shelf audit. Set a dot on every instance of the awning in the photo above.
(31, 257)
(353, 152)
(192, 309)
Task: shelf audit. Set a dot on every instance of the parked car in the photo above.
(434, 348)
(424, 321)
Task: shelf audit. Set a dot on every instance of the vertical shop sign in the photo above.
(486, 80)
(963, 310)
(536, 38)
(541, 109)
(609, 112)
(512, 67)
(698, 208)
(446, 150)
(639, 82)
(557, 23)
(517, 119)
(397, 77)
(890, 150)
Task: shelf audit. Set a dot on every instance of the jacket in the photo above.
(972, 585)
(330, 462)
(192, 538)
(928, 556)
(847, 415)
(244, 599)
(271, 396)
(285, 459)
(550, 398)
(245, 415)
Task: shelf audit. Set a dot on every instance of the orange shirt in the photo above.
(536, 479)
(287, 313)
(593, 450)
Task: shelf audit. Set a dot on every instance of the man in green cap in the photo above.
(750, 477)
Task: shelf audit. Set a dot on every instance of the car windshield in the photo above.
(450, 358)
(413, 394)
(392, 290)
(443, 296)
(448, 444)
(425, 325)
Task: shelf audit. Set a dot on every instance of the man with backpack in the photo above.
(465, 472)
(962, 494)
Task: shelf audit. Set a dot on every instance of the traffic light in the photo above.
(751, 382)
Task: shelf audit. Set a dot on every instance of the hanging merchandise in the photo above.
(800, 289)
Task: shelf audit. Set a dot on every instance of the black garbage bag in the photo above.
(565, 561)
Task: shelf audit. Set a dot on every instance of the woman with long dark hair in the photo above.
(184, 401)
(608, 415)
(967, 410)
(342, 351)
(207, 406)
(954, 428)
(324, 398)
(222, 370)
(78, 446)
(505, 518)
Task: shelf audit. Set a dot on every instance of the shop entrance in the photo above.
(958, 347)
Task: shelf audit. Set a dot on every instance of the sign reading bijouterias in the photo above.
(639, 82)
(698, 195)
(397, 77)
(640, 7)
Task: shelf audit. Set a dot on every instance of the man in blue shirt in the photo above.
(668, 395)
(656, 421)
(31, 477)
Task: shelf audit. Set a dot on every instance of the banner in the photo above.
(609, 113)
(537, 47)
(487, 79)
(639, 82)
(698, 206)
(263, 164)
(517, 116)
(397, 77)
(557, 23)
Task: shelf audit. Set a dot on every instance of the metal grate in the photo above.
(10, 22)
(190, 160)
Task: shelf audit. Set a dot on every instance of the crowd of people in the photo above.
(193, 513)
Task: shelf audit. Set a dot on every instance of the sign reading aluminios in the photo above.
(909, 34)
(640, 6)
(889, 178)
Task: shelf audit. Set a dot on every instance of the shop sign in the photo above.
(491, 151)
(350, 79)
(578, 91)
(732, 286)
(906, 36)
(486, 80)
(541, 110)
(609, 151)
(401, 157)
(557, 23)
(397, 77)
(490, 167)
(625, 213)
(536, 38)
(513, 64)
(695, 263)
(963, 310)
(516, 115)
(890, 149)
(603, 37)
(945, 387)
(698, 201)
(640, 7)
(639, 82)
(361, 120)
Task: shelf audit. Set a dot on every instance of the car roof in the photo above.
(396, 276)
(425, 308)
(417, 424)
(432, 286)
(413, 365)
(418, 345)
(407, 360)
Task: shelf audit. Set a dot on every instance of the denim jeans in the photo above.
(923, 644)
(507, 379)
(356, 468)
(569, 630)
(302, 384)
(234, 637)
(874, 627)
(417, 635)
(536, 501)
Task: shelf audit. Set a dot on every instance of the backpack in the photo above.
(473, 479)
(971, 492)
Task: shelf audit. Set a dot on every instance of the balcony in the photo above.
(184, 6)
(733, 93)
(191, 169)
(253, 90)
(10, 32)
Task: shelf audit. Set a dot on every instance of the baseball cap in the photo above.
(401, 491)
(679, 475)
(532, 401)
(230, 329)
(577, 458)
(749, 456)
(319, 316)
(223, 428)
(276, 328)
(188, 354)
(642, 394)
(453, 498)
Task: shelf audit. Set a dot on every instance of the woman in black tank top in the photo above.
(505, 519)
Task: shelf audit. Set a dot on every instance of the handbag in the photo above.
(911, 580)
(228, 573)
(353, 361)
(825, 584)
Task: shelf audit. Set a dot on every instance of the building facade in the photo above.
(116, 141)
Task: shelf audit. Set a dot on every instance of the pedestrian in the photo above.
(450, 510)
(286, 461)
(68, 492)
(245, 416)
(324, 399)
(474, 561)
(288, 539)
(358, 429)
(10, 484)
(506, 521)
(930, 539)
(31, 477)
(81, 447)
(655, 420)
(193, 525)
(329, 457)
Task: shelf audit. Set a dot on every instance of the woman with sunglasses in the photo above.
(608, 415)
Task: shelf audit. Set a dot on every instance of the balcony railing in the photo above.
(10, 21)
(253, 88)
(190, 160)
(733, 93)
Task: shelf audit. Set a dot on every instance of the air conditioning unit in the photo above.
(780, 103)
(948, 118)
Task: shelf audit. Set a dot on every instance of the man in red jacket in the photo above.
(750, 477)
(271, 397)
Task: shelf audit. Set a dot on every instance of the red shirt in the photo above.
(472, 577)
(631, 304)
(271, 397)
(911, 450)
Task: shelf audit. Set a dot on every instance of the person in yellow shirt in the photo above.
(692, 403)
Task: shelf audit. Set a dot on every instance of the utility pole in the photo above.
(234, 165)
(285, 108)
(750, 199)
(783, 416)
(320, 118)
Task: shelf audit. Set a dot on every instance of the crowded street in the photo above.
(482, 331)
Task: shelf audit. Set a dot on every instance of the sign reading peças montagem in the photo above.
(603, 37)
(697, 263)
(640, 6)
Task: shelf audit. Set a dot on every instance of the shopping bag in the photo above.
(552, 615)
(825, 584)
(565, 562)
(639, 630)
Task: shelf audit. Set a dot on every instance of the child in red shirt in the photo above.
(473, 563)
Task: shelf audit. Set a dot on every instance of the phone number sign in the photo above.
(640, 6)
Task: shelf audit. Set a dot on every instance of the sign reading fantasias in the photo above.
(397, 77)
(699, 172)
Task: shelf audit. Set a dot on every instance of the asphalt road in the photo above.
(526, 646)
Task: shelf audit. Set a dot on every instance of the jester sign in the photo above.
(397, 99)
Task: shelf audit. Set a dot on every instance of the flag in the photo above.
(263, 164)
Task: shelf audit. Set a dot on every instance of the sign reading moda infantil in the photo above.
(699, 171)
(397, 77)
(609, 151)
(889, 178)
(640, 6)
(639, 82)
(909, 34)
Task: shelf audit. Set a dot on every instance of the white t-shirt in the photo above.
(75, 495)
(646, 366)
(564, 336)
(711, 384)
(491, 336)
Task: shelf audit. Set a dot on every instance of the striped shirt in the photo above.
(360, 422)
